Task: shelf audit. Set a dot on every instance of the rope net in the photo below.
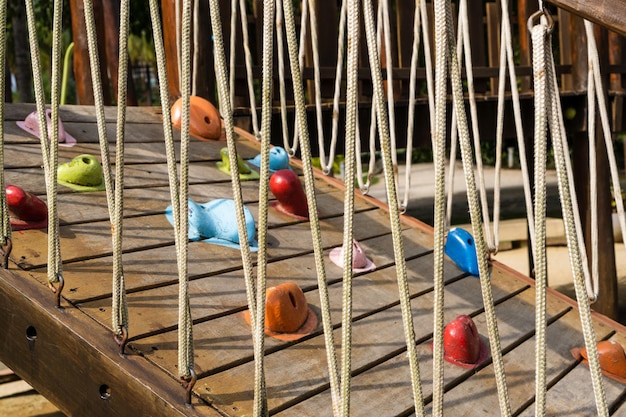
(364, 31)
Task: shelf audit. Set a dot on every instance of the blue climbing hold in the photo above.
(279, 159)
(216, 222)
(460, 247)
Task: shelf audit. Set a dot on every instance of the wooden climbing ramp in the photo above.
(68, 354)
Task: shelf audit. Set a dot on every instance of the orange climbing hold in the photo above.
(204, 119)
(287, 314)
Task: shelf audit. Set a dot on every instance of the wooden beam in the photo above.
(79, 370)
(609, 13)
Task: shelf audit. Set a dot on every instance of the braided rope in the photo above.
(396, 227)
(251, 292)
(445, 23)
(49, 150)
(119, 304)
(539, 34)
(248, 56)
(572, 228)
(604, 118)
(260, 401)
(305, 150)
(185, 355)
(353, 11)
(185, 324)
(439, 147)
(5, 222)
(506, 60)
(417, 24)
(114, 194)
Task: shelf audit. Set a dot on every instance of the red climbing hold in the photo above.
(26, 211)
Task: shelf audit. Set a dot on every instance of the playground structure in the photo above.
(42, 339)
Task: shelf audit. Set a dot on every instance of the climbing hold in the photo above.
(204, 119)
(460, 247)
(611, 357)
(245, 173)
(287, 314)
(462, 344)
(216, 222)
(83, 173)
(31, 125)
(360, 262)
(291, 199)
(26, 210)
(279, 159)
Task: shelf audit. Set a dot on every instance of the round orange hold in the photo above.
(204, 119)
(287, 314)
(611, 356)
(286, 308)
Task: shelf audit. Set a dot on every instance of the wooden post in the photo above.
(168, 16)
(111, 24)
(82, 71)
(607, 297)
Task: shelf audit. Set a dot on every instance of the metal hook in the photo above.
(538, 15)
(121, 338)
(188, 382)
(58, 289)
(5, 253)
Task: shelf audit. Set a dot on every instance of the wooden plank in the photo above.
(391, 380)
(608, 13)
(375, 336)
(52, 338)
(78, 113)
(225, 291)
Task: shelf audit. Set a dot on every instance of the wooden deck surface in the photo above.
(73, 360)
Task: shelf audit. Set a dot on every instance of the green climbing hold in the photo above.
(83, 173)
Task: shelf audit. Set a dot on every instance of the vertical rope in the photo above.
(226, 107)
(248, 56)
(439, 145)
(49, 149)
(572, 229)
(539, 33)
(5, 223)
(260, 402)
(119, 305)
(185, 325)
(351, 123)
(445, 23)
(394, 217)
(301, 118)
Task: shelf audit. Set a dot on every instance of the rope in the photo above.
(439, 147)
(251, 292)
(572, 226)
(178, 193)
(396, 227)
(351, 137)
(507, 60)
(539, 34)
(248, 56)
(604, 118)
(119, 304)
(5, 222)
(301, 118)
(49, 149)
(260, 401)
(114, 195)
(185, 325)
(411, 111)
(446, 47)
